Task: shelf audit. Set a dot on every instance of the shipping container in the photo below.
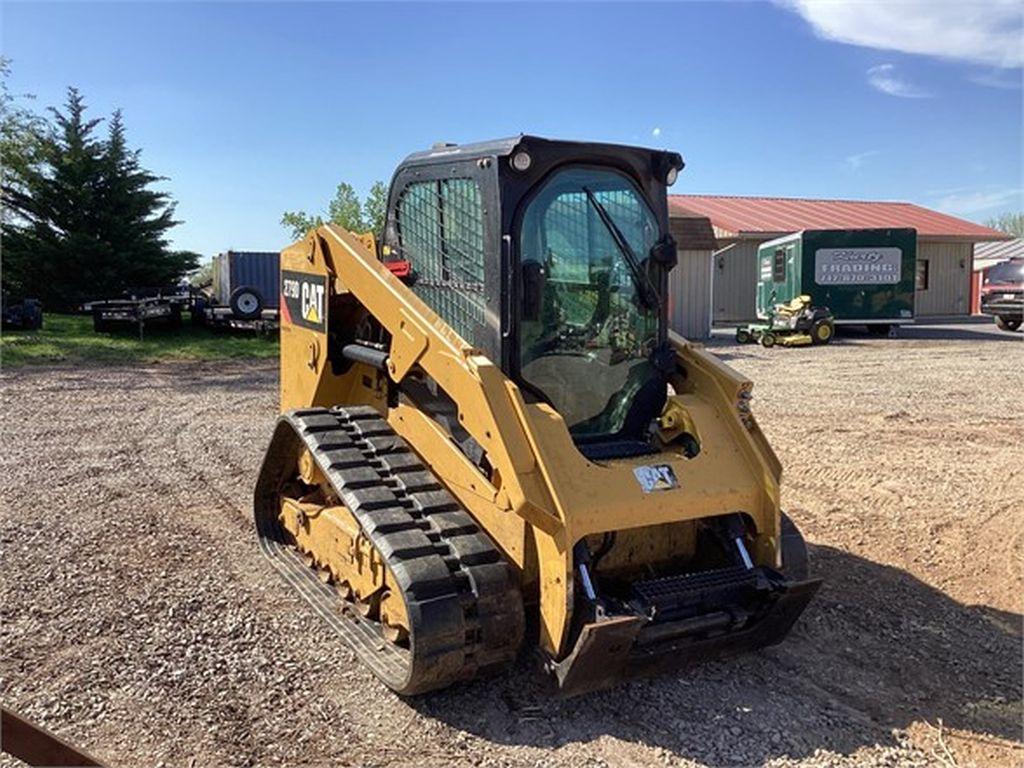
(864, 276)
(256, 270)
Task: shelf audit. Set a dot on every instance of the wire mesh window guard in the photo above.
(441, 233)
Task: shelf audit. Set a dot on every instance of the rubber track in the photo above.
(463, 601)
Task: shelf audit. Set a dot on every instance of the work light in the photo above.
(521, 161)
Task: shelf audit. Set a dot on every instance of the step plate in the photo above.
(695, 593)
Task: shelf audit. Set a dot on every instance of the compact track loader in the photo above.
(491, 440)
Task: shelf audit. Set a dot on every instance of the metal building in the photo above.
(741, 224)
(689, 294)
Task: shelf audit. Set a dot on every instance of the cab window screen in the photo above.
(441, 233)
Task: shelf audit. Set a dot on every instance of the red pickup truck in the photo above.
(1002, 293)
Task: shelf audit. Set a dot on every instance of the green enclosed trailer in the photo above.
(864, 276)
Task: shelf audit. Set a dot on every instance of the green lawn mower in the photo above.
(793, 324)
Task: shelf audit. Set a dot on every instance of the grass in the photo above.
(70, 338)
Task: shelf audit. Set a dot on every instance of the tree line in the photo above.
(1010, 223)
(345, 210)
(81, 218)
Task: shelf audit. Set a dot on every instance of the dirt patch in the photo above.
(140, 621)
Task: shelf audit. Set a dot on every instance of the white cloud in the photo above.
(968, 30)
(884, 78)
(965, 201)
(854, 162)
(996, 78)
(656, 132)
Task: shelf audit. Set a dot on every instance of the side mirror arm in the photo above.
(663, 252)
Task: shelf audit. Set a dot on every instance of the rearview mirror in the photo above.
(663, 252)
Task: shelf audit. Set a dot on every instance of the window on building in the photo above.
(779, 266)
(921, 276)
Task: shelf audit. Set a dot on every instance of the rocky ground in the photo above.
(140, 621)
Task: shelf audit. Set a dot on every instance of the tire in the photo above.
(246, 303)
(767, 339)
(879, 329)
(743, 336)
(794, 550)
(99, 325)
(1008, 323)
(822, 332)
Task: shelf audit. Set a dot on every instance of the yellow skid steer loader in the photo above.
(490, 439)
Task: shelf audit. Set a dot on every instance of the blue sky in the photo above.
(253, 109)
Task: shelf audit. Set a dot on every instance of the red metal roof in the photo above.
(738, 216)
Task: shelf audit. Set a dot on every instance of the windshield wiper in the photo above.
(648, 293)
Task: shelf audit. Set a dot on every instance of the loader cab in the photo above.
(552, 258)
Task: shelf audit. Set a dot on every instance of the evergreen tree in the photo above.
(53, 243)
(84, 222)
(135, 220)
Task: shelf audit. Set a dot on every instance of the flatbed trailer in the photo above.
(166, 309)
(216, 316)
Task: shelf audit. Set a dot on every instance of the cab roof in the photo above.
(442, 152)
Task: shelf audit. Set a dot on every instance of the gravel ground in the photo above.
(140, 621)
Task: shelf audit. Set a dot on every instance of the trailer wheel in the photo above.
(822, 331)
(743, 336)
(1005, 323)
(246, 303)
(767, 339)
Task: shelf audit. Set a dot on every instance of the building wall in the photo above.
(689, 291)
(949, 279)
(734, 283)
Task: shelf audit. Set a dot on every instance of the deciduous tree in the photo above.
(375, 207)
(345, 210)
(1010, 223)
